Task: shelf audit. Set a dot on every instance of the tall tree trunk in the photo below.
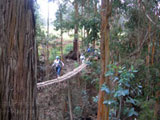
(95, 14)
(75, 42)
(149, 48)
(47, 48)
(87, 32)
(61, 19)
(17, 61)
(103, 111)
(153, 49)
(148, 60)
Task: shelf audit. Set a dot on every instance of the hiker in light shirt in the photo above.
(58, 64)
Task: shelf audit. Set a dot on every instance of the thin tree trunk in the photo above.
(18, 63)
(61, 45)
(120, 107)
(148, 60)
(69, 101)
(153, 49)
(75, 42)
(61, 19)
(95, 13)
(103, 110)
(87, 32)
(47, 48)
(149, 40)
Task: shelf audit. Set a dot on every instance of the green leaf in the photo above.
(116, 78)
(132, 68)
(139, 86)
(109, 102)
(105, 88)
(125, 92)
(121, 92)
(95, 99)
(120, 71)
(127, 84)
(109, 73)
(130, 100)
(132, 112)
(135, 71)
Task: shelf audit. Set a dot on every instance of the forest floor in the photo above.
(52, 101)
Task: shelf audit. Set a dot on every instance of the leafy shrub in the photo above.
(78, 111)
(147, 110)
(94, 74)
(123, 95)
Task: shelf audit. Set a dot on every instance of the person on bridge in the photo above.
(58, 64)
(82, 58)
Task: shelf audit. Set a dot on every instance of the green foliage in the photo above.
(110, 102)
(131, 112)
(54, 52)
(59, 23)
(92, 26)
(123, 96)
(105, 88)
(93, 77)
(40, 34)
(147, 110)
(76, 64)
(149, 78)
(136, 19)
(95, 99)
(120, 5)
(65, 19)
(78, 111)
(67, 48)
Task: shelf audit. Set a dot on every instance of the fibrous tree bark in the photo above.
(17, 60)
(106, 6)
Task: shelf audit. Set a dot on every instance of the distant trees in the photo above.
(90, 21)
(83, 18)
(60, 23)
(17, 61)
